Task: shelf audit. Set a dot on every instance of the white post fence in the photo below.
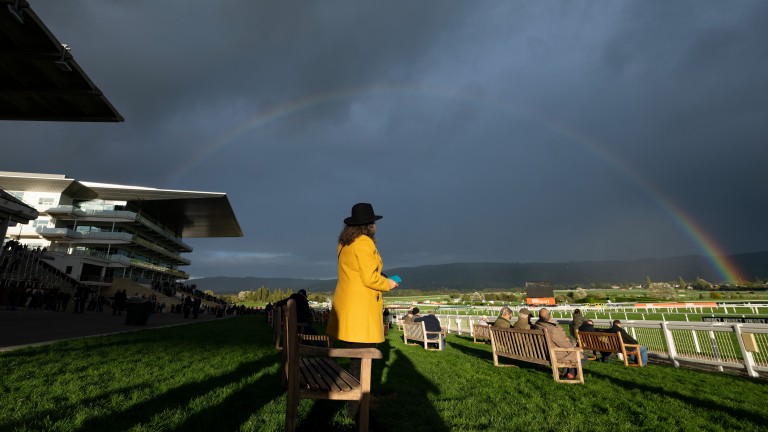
(728, 345)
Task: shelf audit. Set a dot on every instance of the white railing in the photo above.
(721, 345)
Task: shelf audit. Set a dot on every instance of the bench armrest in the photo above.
(441, 332)
(371, 353)
(575, 349)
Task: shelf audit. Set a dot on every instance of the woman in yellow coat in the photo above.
(358, 304)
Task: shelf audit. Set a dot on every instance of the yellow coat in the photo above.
(358, 304)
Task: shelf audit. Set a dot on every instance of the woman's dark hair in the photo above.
(351, 232)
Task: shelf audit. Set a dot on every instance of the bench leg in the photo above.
(291, 408)
(365, 397)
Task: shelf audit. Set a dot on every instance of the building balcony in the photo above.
(65, 235)
(58, 233)
(116, 216)
(100, 237)
(161, 269)
(64, 210)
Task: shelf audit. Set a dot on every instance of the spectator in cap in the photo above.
(523, 319)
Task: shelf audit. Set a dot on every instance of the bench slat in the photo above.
(319, 375)
(609, 342)
(342, 379)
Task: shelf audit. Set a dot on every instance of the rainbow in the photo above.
(727, 270)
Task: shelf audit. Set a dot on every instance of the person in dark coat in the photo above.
(616, 328)
(304, 315)
(589, 326)
(408, 318)
(503, 320)
(578, 320)
(432, 324)
(187, 305)
(196, 307)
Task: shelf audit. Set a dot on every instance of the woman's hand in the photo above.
(392, 284)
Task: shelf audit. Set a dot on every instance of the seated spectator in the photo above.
(559, 339)
(408, 318)
(304, 314)
(523, 319)
(432, 324)
(589, 326)
(616, 328)
(503, 320)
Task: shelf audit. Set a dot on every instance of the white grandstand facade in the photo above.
(97, 232)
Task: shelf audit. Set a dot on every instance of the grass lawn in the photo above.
(223, 376)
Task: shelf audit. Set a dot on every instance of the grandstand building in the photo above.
(96, 233)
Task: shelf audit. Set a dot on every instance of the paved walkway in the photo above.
(22, 328)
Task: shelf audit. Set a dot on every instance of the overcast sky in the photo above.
(483, 131)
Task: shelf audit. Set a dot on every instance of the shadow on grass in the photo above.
(474, 350)
(55, 413)
(708, 405)
(470, 339)
(399, 399)
(236, 408)
(228, 415)
(401, 403)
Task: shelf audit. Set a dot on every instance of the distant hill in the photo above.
(477, 276)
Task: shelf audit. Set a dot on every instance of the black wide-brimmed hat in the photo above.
(362, 214)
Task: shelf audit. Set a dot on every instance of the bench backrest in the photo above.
(600, 341)
(532, 346)
(480, 332)
(609, 342)
(277, 327)
(413, 331)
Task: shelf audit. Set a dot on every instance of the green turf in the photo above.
(223, 376)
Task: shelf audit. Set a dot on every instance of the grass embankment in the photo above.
(223, 376)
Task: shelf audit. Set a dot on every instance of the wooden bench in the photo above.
(418, 333)
(277, 327)
(533, 346)
(313, 374)
(609, 342)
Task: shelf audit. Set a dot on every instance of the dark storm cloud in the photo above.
(483, 131)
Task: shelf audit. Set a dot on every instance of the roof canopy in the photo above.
(193, 214)
(39, 79)
(15, 210)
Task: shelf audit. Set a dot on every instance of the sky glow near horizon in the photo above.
(499, 131)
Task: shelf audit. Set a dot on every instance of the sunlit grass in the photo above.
(223, 376)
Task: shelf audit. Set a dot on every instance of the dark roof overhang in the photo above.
(39, 78)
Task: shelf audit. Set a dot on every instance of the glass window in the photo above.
(42, 222)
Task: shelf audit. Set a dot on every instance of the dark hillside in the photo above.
(478, 276)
